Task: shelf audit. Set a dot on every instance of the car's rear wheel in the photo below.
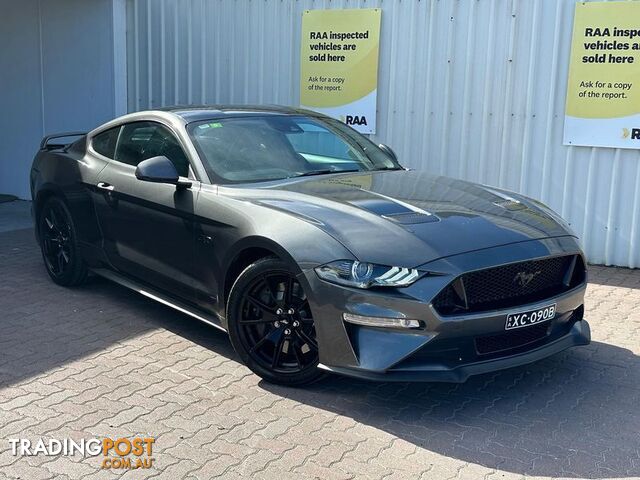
(58, 242)
(271, 326)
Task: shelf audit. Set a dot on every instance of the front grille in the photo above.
(510, 340)
(510, 285)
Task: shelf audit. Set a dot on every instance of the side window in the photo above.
(142, 140)
(105, 143)
(173, 151)
(133, 143)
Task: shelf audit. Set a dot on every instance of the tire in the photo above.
(59, 244)
(271, 326)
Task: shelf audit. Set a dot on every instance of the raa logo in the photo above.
(353, 119)
(634, 133)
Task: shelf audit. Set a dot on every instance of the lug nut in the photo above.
(279, 311)
(296, 323)
(287, 332)
(276, 324)
(291, 311)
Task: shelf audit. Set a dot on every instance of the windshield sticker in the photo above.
(204, 126)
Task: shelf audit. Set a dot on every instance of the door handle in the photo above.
(106, 186)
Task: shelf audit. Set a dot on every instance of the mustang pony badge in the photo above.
(523, 278)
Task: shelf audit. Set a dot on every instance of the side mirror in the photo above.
(159, 170)
(387, 149)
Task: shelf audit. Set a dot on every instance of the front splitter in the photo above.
(580, 334)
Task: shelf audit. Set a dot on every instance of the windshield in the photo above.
(270, 147)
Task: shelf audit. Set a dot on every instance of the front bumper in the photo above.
(445, 349)
(579, 334)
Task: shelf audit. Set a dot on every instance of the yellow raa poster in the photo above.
(603, 91)
(339, 65)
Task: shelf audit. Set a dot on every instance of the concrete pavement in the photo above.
(102, 361)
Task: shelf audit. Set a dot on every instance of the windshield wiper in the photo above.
(389, 168)
(324, 171)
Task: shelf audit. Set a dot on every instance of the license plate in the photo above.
(530, 317)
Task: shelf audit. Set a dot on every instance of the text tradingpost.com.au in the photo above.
(117, 453)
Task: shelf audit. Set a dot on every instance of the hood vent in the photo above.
(411, 218)
(510, 204)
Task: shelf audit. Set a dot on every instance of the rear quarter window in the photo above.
(105, 143)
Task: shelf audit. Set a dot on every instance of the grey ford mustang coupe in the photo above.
(310, 245)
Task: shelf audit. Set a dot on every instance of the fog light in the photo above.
(380, 321)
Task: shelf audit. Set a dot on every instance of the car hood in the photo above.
(408, 218)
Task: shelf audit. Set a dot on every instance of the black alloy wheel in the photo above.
(58, 244)
(271, 325)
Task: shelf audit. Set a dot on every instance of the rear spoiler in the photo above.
(46, 143)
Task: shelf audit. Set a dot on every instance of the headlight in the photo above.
(364, 275)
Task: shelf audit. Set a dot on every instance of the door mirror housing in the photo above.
(387, 149)
(159, 170)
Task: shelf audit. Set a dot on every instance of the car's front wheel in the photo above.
(271, 326)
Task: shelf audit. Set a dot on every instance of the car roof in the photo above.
(194, 113)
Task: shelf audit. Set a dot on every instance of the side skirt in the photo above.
(148, 292)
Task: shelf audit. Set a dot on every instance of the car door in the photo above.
(147, 227)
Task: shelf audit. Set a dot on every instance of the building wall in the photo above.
(59, 73)
(473, 89)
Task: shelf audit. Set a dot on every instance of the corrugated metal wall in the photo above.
(473, 89)
(44, 89)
